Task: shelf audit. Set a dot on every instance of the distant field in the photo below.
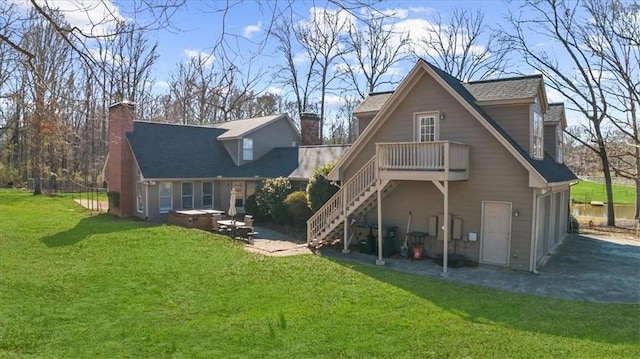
(585, 192)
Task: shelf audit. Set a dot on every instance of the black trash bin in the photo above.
(388, 240)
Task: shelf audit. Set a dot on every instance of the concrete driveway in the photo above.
(581, 268)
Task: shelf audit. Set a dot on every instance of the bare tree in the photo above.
(373, 49)
(321, 39)
(293, 74)
(559, 21)
(607, 37)
(48, 73)
(464, 46)
(78, 38)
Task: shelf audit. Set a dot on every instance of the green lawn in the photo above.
(585, 192)
(74, 285)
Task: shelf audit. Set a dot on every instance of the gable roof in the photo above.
(373, 102)
(505, 89)
(555, 113)
(169, 151)
(546, 171)
(239, 128)
(512, 88)
(312, 157)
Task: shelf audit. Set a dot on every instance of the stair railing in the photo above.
(349, 192)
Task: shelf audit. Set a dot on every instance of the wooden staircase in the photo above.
(354, 199)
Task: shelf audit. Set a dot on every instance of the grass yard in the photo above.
(74, 285)
(585, 192)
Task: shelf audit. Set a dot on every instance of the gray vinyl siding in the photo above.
(550, 139)
(516, 120)
(363, 122)
(276, 134)
(494, 174)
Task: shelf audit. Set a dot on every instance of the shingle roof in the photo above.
(373, 102)
(554, 112)
(547, 167)
(177, 151)
(500, 89)
(239, 128)
(312, 157)
(505, 89)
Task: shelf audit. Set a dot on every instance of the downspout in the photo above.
(534, 234)
(146, 203)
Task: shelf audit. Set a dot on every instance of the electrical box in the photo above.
(456, 231)
(473, 236)
(433, 226)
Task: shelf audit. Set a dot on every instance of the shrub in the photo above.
(252, 208)
(574, 225)
(320, 189)
(270, 196)
(297, 207)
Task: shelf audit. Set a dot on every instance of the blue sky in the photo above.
(197, 26)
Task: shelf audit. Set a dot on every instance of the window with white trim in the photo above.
(187, 195)
(165, 192)
(207, 194)
(426, 127)
(247, 149)
(559, 144)
(538, 135)
(140, 197)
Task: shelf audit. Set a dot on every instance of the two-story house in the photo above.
(486, 156)
(157, 167)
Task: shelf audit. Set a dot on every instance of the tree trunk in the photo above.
(611, 216)
(637, 217)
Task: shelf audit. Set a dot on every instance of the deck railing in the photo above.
(337, 204)
(426, 156)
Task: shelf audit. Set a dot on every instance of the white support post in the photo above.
(380, 260)
(445, 227)
(346, 225)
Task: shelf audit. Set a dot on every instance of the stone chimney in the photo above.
(120, 165)
(310, 129)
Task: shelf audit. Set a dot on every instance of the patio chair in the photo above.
(218, 228)
(248, 221)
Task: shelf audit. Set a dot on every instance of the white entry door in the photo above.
(496, 232)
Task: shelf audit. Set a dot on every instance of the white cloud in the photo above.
(249, 30)
(204, 56)
(161, 84)
(92, 17)
(396, 13)
(274, 90)
(554, 95)
(101, 54)
(300, 58)
(325, 19)
(422, 9)
(333, 100)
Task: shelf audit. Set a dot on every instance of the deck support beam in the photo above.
(380, 260)
(444, 188)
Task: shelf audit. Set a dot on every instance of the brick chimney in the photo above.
(120, 165)
(310, 129)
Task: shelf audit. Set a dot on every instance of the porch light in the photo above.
(516, 213)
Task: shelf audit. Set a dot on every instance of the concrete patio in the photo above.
(582, 268)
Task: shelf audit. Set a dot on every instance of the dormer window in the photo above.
(247, 149)
(559, 144)
(538, 134)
